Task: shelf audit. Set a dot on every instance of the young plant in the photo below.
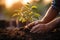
(27, 13)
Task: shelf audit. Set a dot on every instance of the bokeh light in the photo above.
(9, 3)
(26, 1)
(47, 1)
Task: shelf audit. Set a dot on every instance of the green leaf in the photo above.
(23, 20)
(34, 7)
(36, 15)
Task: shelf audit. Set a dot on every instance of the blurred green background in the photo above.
(42, 6)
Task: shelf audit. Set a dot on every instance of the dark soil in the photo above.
(14, 33)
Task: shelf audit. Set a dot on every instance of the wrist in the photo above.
(49, 26)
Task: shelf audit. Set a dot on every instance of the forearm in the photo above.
(54, 22)
(50, 15)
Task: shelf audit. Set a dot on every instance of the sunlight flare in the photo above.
(9, 3)
(26, 1)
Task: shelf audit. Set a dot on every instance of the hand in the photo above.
(40, 28)
(30, 25)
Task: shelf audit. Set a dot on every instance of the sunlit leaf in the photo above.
(36, 15)
(34, 7)
(14, 15)
(23, 20)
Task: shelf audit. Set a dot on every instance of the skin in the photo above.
(46, 23)
(41, 28)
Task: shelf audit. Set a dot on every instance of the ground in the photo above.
(21, 34)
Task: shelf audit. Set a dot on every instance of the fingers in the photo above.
(31, 24)
(40, 31)
(40, 28)
(35, 29)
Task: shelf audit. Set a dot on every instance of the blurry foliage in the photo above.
(28, 9)
(26, 13)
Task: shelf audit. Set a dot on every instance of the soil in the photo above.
(21, 34)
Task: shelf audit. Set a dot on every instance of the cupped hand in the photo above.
(30, 25)
(40, 28)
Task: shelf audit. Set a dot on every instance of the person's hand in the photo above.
(42, 28)
(39, 28)
(30, 25)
